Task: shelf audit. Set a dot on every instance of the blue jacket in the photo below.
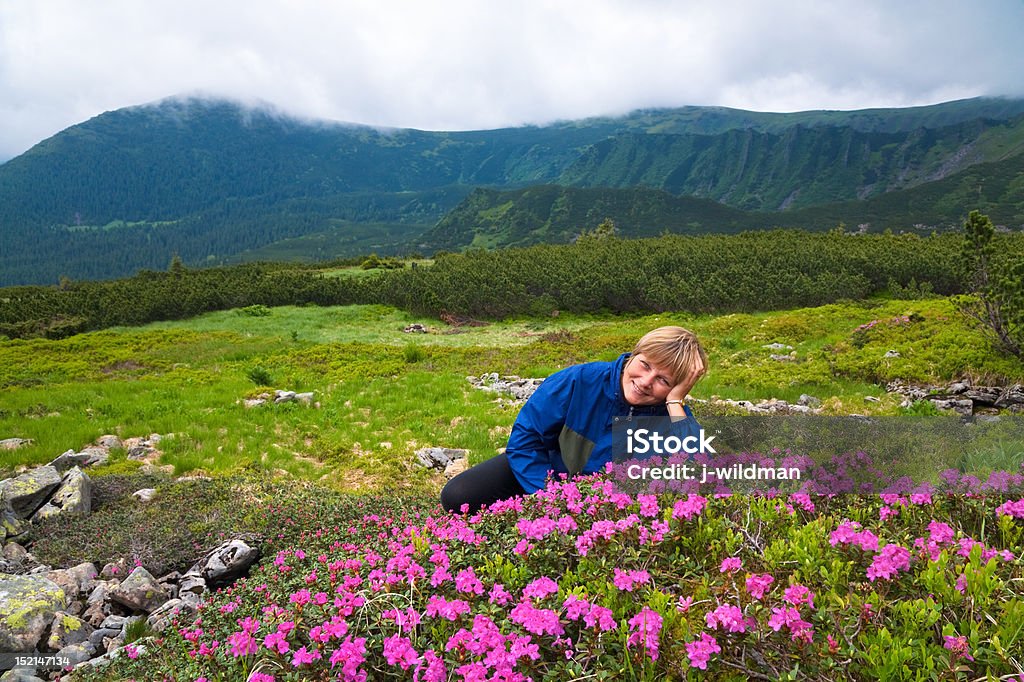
(566, 425)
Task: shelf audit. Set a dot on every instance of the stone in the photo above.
(28, 604)
(456, 467)
(283, 396)
(872, 399)
(891, 354)
(12, 551)
(29, 492)
(415, 328)
(11, 525)
(139, 452)
(781, 358)
(254, 402)
(777, 346)
(145, 495)
(962, 407)
(438, 458)
(109, 441)
(14, 443)
(224, 564)
(139, 591)
(304, 398)
(67, 630)
(21, 675)
(160, 619)
(115, 569)
(74, 496)
(808, 400)
(78, 653)
(75, 581)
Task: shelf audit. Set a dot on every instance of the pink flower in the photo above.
(499, 595)
(304, 657)
(258, 677)
(399, 651)
(958, 645)
(684, 604)
(627, 580)
(1013, 509)
(439, 607)
(277, 641)
(758, 584)
(891, 560)
(688, 508)
(730, 564)
(699, 651)
(132, 652)
(431, 669)
(729, 617)
(242, 644)
(350, 655)
(537, 621)
(466, 581)
(645, 629)
(798, 594)
(540, 588)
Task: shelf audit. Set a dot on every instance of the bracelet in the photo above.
(676, 402)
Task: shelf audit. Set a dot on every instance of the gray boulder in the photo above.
(28, 604)
(223, 565)
(66, 630)
(139, 591)
(28, 492)
(74, 496)
(439, 458)
(14, 443)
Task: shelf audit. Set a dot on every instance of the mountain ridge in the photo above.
(209, 179)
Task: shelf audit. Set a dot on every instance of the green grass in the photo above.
(383, 393)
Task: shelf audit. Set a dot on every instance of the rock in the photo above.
(891, 354)
(140, 452)
(456, 467)
(21, 675)
(28, 604)
(963, 407)
(1011, 396)
(283, 396)
(304, 398)
(223, 565)
(439, 458)
(67, 630)
(139, 591)
(872, 399)
(191, 584)
(11, 525)
(101, 633)
(160, 619)
(255, 402)
(808, 400)
(145, 495)
(15, 443)
(78, 653)
(75, 581)
(74, 496)
(109, 441)
(782, 358)
(29, 492)
(415, 328)
(777, 346)
(115, 569)
(12, 551)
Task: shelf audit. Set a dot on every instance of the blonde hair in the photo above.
(671, 348)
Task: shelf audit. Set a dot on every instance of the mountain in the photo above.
(214, 181)
(557, 214)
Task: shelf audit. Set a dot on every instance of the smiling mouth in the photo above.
(636, 389)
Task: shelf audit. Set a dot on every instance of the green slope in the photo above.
(212, 180)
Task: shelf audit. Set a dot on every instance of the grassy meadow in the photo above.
(382, 393)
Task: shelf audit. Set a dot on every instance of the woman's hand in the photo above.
(692, 375)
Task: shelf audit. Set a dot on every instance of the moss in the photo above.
(71, 624)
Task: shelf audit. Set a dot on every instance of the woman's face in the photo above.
(644, 383)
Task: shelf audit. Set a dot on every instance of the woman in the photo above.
(566, 425)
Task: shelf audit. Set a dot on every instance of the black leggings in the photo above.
(485, 483)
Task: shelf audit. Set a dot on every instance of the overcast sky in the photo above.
(472, 64)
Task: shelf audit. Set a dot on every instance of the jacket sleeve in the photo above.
(535, 433)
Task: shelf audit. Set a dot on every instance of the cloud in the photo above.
(465, 64)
